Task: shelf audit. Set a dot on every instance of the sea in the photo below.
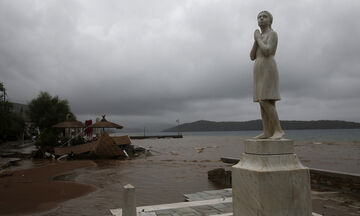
(318, 135)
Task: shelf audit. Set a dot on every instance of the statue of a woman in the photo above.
(266, 77)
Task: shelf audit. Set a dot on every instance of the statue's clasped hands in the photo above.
(257, 34)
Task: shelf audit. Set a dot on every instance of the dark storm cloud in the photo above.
(148, 61)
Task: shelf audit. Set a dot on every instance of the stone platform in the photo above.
(208, 203)
(270, 180)
(220, 206)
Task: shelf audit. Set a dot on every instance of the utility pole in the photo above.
(178, 126)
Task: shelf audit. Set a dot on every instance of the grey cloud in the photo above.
(151, 61)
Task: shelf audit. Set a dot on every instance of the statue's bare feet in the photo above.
(277, 135)
(261, 136)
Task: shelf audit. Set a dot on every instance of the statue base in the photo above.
(270, 180)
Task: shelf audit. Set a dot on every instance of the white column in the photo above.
(129, 208)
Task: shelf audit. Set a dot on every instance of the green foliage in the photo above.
(2, 88)
(45, 111)
(77, 141)
(11, 123)
(48, 137)
(15, 127)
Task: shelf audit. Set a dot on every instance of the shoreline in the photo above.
(37, 190)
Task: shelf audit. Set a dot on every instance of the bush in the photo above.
(77, 141)
(11, 123)
(15, 128)
(48, 137)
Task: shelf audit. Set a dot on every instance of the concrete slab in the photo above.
(220, 206)
(215, 194)
(182, 206)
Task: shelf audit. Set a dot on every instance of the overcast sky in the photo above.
(142, 61)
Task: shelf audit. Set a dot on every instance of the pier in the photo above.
(157, 137)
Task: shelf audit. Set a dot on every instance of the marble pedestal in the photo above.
(269, 180)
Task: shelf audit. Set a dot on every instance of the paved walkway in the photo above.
(206, 203)
(207, 195)
(203, 207)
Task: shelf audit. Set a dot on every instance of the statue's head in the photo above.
(265, 18)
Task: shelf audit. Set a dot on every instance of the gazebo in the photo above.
(103, 123)
(69, 124)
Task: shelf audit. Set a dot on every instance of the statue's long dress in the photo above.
(266, 76)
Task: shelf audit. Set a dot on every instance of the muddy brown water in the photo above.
(180, 166)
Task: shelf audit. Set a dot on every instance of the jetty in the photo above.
(157, 137)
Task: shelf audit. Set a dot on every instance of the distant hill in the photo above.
(204, 125)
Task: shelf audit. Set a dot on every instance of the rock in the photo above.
(220, 176)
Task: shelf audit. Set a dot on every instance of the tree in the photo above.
(46, 111)
(11, 123)
(3, 91)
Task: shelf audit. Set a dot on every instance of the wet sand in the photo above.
(34, 190)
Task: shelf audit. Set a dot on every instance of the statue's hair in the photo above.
(269, 14)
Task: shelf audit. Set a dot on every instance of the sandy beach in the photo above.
(34, 190)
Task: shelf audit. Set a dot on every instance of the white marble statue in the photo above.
(266, 77)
